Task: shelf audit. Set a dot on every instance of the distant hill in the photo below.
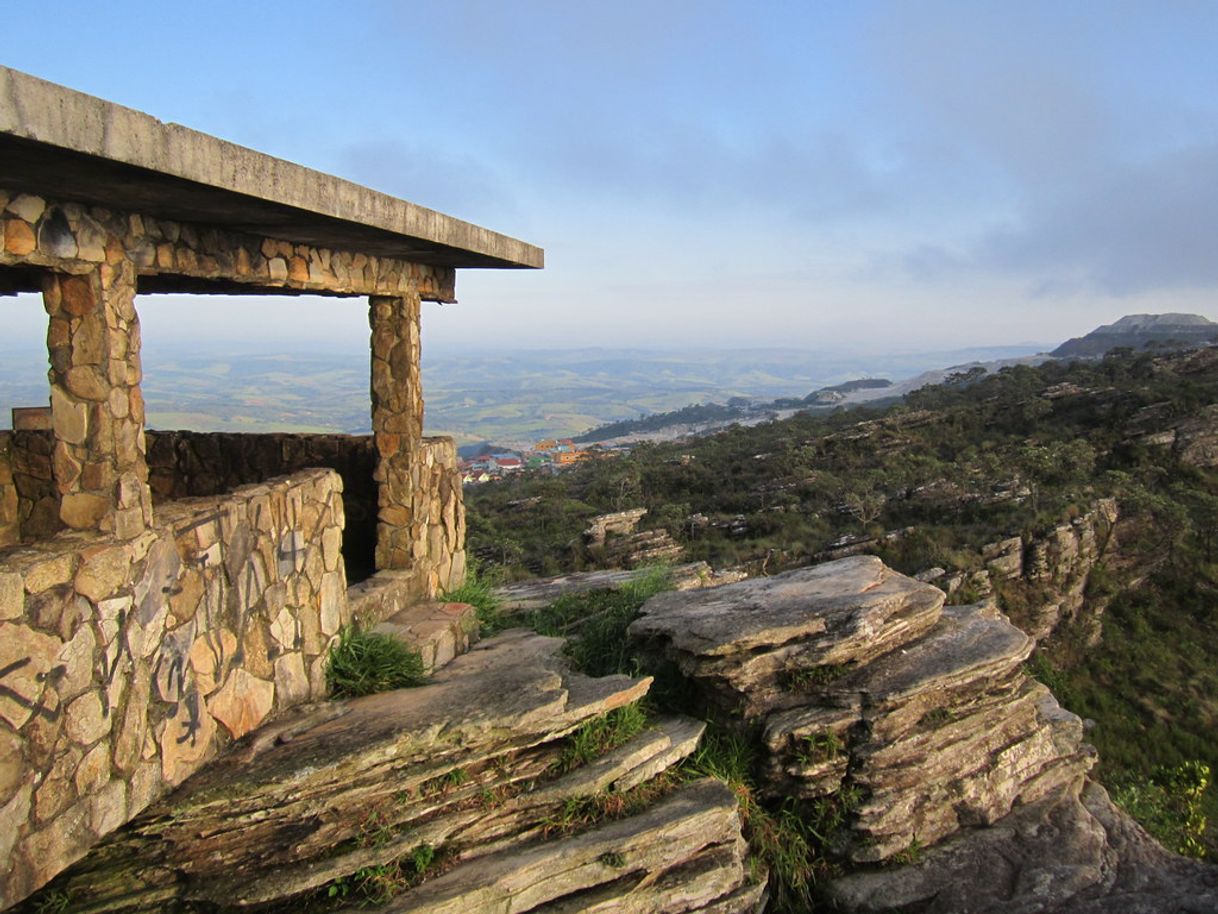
(1140, 331)
(708, 418)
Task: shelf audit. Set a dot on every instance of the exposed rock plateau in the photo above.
(538, 592)
(960, 782)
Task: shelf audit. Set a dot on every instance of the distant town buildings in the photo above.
(547, 455)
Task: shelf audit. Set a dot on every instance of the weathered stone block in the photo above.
(93, 770)
(291, 680)
(12, 595)
(28, 207)
(76, 661)
(186, 739)
(83, 510)
(87, 720)
(103, 572)
(242, 703)
(26, 656)
(18, 237)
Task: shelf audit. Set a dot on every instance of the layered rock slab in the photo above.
(1067, 853)
(470, 766)
(862, 683)
(746, 643)
(684, 855)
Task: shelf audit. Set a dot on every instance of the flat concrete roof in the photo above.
(64, 144)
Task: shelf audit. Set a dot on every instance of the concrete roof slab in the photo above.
(64, 144)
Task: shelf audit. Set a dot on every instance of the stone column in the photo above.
(97, 411)
(397, 422)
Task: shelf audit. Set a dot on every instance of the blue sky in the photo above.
(863, 175)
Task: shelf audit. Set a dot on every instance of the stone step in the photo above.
(389, 602)
(439, 631)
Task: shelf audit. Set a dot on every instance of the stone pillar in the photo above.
(97, 411)
(397, 422)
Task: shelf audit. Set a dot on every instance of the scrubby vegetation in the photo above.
(927, 483)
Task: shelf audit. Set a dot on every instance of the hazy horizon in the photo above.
(880, 173)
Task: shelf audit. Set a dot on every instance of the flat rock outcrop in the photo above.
(472, 773)
(863, 685)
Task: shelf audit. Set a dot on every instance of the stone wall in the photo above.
(125, 665)
(438, 529)
(10, 520)
(184, 464)
(33, 483)
(437, 558)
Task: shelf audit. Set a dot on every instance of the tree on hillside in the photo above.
(866, 505)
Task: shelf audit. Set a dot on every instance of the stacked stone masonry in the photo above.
(127, 664)
(76, 239)
(10, 501)
(397, 424)
(90, 262)
(184, 464)
(97, 410)
(36, 512)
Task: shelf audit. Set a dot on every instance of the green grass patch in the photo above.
(780, 841)
(382, 882)
(819, 748)
(600, 735)
(595, 622)
(478, 591)
(362, 663)
(807, 679)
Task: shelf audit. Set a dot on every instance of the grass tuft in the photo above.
(779, 840)
(479, 592)
(362, 663)
(595, 622)
(601, 734)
